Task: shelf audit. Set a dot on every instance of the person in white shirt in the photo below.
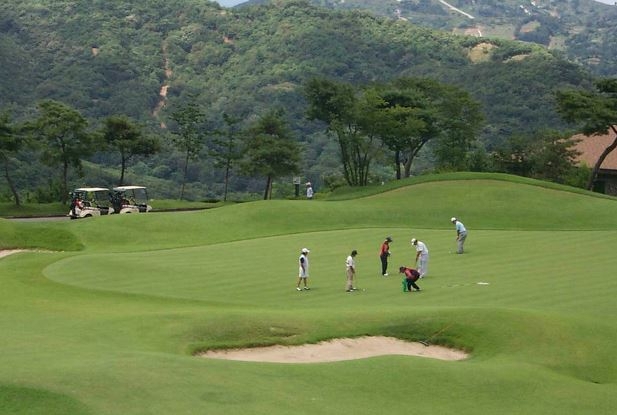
(303, 269)
(350, 270)
(309, 191)
(421, 256)
(461, 234)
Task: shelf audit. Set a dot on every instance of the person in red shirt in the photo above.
(384, 253)
(411, 276)
(76, 206)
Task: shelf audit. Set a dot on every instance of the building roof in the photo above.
(591, 147)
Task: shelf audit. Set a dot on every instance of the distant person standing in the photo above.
(303, 269)
(350, 271)
(384, 253)
(421, 256)
(461, 234)
(309, 191)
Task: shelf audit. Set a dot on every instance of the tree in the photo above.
(270, 150)
(395, 125)
(225, 149)
(404, 115)
(120, 134)
(62, 133)
(188, 135)
(406, 124)
(555, 158)
(10, 143)
(460, 121)
(344, 112)
(595, 111)
(546, 155)
(422, 110)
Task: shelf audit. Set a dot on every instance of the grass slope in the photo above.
(111, 329)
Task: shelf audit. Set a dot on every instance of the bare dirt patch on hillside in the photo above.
(481, 52)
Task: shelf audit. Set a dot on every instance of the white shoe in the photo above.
(385, 275)
(298, 288)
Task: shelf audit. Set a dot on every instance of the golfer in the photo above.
(303, 269)
(411, 276)
(350, 271)
(384, 253)
(421, 256)
(461, 234)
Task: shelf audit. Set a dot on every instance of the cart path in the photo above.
(451, 7)
(7, 252)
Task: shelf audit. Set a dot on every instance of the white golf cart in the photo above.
(87, 202)
(130, 199)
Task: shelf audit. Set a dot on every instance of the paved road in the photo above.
(40, 219)
(451, 7)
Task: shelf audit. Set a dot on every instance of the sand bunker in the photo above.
(7, 252)
(337, 350)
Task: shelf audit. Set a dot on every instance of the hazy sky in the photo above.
(229, 3)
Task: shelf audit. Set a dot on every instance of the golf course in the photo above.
(112, 315)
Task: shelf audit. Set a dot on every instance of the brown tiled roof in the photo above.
(591, 147)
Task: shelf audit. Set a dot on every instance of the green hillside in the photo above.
(107, 58)
(112, 328)
(582, 30)
(146, 60)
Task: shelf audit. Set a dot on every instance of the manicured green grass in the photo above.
(111, 328)
(32, 209)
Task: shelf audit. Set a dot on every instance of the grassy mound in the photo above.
(114, 326)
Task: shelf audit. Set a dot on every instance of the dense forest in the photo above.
(583, 30)
(150, 60)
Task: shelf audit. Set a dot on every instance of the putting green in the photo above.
(542, 270)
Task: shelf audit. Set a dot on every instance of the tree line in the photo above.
(378, 123)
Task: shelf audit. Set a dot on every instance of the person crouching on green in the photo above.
(411, 276)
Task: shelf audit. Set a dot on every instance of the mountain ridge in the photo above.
(107, 58)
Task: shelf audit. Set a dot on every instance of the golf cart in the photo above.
(130, 199)
(87, 202)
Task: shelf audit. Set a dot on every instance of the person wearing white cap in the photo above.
(421, 256)
(303, 269)
(309, 191)
(461, 234)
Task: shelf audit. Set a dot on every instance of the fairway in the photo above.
(115, 328)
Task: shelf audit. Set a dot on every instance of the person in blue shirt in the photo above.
(461, 234)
